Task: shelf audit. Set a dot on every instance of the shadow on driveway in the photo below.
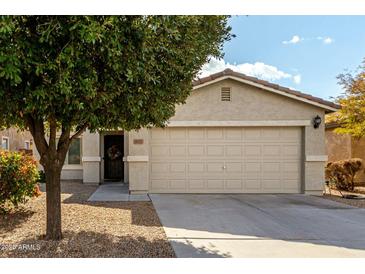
(261, 226)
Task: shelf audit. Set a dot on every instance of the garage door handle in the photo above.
(224, 167)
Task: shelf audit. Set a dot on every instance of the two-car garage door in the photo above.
(225, 160)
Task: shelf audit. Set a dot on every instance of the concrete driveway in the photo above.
(260, 226)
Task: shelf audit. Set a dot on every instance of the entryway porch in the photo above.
(116, 192)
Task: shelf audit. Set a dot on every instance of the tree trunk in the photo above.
(53, 197)
(52, 157)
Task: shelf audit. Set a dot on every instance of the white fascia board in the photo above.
(136, 158)
(91, 159)
(262, 123)
(316, 158)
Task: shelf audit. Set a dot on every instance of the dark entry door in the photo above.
(113, 157)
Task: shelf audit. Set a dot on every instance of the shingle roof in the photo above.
(229, 72)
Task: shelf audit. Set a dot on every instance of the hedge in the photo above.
(19, 178)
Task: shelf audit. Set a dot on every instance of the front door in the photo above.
(113, 157)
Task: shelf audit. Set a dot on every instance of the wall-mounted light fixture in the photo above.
(317, 121)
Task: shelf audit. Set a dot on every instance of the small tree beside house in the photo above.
(351, 116)
(351, 120)
(69, 73)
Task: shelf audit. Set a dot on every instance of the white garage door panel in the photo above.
(225, 160)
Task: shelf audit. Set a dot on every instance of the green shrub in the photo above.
(341, 174)
(18, 179)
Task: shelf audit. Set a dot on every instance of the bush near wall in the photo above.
(19, 178)
(342, 173)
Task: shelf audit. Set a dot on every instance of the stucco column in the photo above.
(137, 159)
(314, 158)
(91, 157)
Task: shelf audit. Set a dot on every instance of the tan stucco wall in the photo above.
(338, 146)
(204, 104)
(248, 104)
(90, 171)
(16, 137)
(314, 144)
(343, 146)
(126, 153)
(72, 174)
(358, 151)
(138, 169)
(69, 172)
(93, 153)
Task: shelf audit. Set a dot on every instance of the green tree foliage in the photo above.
(69, 73)
(351, 116)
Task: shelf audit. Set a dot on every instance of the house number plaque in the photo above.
(138, 141)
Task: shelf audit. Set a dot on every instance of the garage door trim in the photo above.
(263, 123)
(218, 183)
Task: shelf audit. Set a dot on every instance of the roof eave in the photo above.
(331, 107)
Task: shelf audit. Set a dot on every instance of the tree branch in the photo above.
(39, 133)
(36, 128)
(64, 140)
(52, 135)
(30, 124)
(79, 132)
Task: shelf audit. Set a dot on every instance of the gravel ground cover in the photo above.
(90, 229)
(335, 195)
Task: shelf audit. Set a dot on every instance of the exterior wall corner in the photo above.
(91, 157)
(137, 160)
(314, 158)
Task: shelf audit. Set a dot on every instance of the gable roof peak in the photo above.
(229, 73)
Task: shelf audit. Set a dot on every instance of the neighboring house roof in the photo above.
(230, 74)
(331, 125)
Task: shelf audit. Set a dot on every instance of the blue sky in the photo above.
(301, 52)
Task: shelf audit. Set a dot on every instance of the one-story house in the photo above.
(344, 146)
(235, 134)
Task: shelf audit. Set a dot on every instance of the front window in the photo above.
(74, 152)
(27, 145)
(73, 156)
(5, 143)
